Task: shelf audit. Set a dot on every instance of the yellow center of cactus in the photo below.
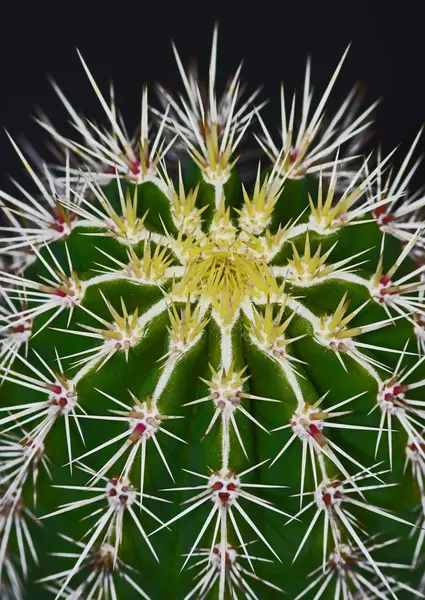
(225, 268)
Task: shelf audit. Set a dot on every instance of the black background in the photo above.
(130, 42)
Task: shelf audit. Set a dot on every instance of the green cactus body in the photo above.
(212, 389)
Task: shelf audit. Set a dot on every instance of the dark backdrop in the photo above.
(130, 42)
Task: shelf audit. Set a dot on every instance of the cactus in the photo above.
(211, 379)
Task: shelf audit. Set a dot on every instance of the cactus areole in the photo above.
(212, 369)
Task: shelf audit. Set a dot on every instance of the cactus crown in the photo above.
(250, 350)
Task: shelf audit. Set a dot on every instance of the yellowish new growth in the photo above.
(269, 330)
(146, 164)
(150, 268)
(185, 329)
(330, 215)
(270, 243)
(226, 384)
(124, 330)
(224, 268)
(308, 267)
(215, 162)
(127, 227)
(335, 326)
(225, 302)
(187, 216)
(257, 212)
(125, 323)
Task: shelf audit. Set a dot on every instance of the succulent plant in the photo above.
(212, 378)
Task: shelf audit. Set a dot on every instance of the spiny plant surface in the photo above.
(212, 389)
